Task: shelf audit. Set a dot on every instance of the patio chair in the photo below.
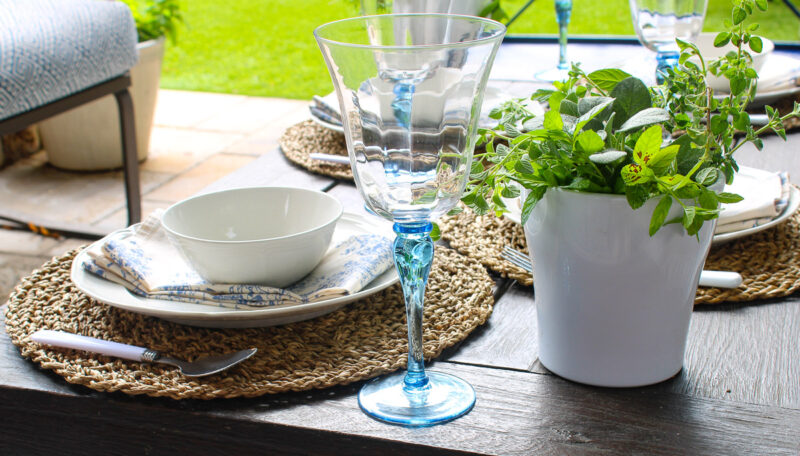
(59, 54)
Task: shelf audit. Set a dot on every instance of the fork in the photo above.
(718, 279)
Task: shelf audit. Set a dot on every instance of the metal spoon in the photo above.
(198, 368)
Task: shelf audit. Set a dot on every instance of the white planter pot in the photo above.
(87, 138)
(613, 303)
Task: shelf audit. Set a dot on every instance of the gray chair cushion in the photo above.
(53, 48)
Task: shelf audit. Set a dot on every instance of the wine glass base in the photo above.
(551, 75)
(445, 398)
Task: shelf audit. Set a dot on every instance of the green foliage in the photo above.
(605, 131)
(156, 18)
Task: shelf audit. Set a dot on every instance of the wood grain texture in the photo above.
(746, 353)
(490, 345)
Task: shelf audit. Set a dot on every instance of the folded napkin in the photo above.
(143, 260)
(765, 194)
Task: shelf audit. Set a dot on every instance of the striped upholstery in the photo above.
(53, 48)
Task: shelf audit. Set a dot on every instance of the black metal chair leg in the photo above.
(129, 156)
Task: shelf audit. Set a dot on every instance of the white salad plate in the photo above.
(515, 213)
(118, 296)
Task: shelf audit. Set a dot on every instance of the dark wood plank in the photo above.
(508, 339)
(517, 413)
(745, 353)
(271, 169)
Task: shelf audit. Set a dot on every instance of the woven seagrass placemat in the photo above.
(307, 137)
(769, 261)
(362, 340)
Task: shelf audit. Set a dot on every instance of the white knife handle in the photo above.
(90, 344)
(720, 279)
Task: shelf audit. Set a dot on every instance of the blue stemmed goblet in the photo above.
(659, 22)
(410, 88)
(561, 71)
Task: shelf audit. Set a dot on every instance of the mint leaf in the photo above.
(728, 198)
(636, 196)
(663, 158)
(552, 121)
(590, 142)
(660, 214)
(647, 145)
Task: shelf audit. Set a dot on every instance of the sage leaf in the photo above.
(660, 214)
(630, 96)
(644, 118)
(569, 107)
(586, 104)
(608, 78)
(585, 118)
(607, 157)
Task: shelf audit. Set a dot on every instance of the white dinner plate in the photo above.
(515, 212)
(220, 317)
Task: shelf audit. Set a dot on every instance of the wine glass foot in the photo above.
(552, 75)
(445, 398)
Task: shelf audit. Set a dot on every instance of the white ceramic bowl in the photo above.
(260, 235)
(705, 43)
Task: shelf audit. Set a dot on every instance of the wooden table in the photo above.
(739, 391)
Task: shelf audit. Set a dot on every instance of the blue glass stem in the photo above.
(666, 60)
(563, 12)
(413, 256)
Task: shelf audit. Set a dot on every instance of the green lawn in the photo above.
(266, 47)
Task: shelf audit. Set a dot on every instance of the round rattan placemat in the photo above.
(362, 340)
(769, 261)
(307, 137)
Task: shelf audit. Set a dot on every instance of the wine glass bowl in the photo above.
(410, 88)
(659, 22)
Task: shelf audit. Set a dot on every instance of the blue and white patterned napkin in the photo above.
(142, 259)
(766, 195)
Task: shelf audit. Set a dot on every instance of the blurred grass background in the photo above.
(266, 47)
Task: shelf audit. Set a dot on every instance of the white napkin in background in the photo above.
(779, 72)
(766, 195)
(143, 260)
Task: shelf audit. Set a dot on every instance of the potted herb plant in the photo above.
(618, 220)
(88, 137)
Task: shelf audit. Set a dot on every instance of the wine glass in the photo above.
(561, 71)
(659, 22)
(410, 88)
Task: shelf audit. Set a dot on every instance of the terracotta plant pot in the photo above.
(87, 138)
(613, 303)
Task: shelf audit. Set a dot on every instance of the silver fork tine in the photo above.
(516, 258)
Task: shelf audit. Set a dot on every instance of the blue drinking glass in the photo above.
(410, 88)
(659, 22)
(561, 71)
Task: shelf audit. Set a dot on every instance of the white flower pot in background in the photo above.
(87, 138)
(613, 303)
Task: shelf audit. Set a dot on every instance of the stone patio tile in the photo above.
(254, 113)
(267, 137)
(31, 186)
(175, 150)
(25, 243)
(178, 108)
(192, 181)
